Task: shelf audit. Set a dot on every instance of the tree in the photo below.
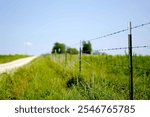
(72, 51)
(58, 48)
(86, 47)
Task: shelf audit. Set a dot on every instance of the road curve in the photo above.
(15, 64)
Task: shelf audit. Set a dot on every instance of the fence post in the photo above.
(80, 53)
(55, 55)
(130, 62)
(59, 54)
(65, 56)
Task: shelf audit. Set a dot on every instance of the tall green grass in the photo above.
(8, 58)
(102, 77)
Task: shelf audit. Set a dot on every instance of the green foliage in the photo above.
(72, 51)
(86, 47)
(8, 58)
(58, 48)
(102, 77)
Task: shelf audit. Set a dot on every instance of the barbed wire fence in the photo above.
(129, 63)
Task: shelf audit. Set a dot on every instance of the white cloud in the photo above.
(28, 44)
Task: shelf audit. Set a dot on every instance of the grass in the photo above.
(9, 58)
(102, 78)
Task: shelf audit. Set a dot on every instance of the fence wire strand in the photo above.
(114, 33)
(121, 48)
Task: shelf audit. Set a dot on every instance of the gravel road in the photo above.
(15, 64)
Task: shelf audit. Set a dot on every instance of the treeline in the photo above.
(61, 48)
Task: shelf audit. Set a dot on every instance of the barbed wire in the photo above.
(141, 47)
(141, 25)
(116, 32)
(120, 48)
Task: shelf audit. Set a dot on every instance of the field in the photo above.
(9, 58)
(102, 77)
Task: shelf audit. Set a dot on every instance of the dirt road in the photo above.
(15, 64)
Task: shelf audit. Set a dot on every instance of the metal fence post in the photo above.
(130, 62)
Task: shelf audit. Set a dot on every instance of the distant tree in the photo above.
(58, 48)
(86, 47)
(72, 51)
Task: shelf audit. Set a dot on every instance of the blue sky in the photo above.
(33, 26)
